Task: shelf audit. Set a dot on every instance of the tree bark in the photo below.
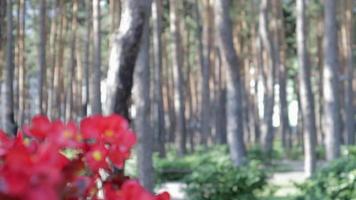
(72, 64)
(204, 61)
(282, 78)
(42, 56)
(95, 92)
(307, 100)
(86, 63)
(233, 81)
(158, 96)
(267, 123)
(22, 71)
(141, 97)
(9, 124)
(330, 80)
(123, 56)
(177, 63)
(349, 71)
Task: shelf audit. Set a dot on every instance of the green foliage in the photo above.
(174, 168)
(256, 153)
(222, 181)
(337, 181)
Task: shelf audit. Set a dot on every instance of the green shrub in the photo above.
(337, 181)
(175, 168)
(256, 153)
(222, 181)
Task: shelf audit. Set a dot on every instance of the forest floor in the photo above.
(284, 180)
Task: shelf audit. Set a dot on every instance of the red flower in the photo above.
(5, 143)
(66, 135)
(40, 126)
(96, 157)
(34, 167)
(163, 196)
(90, 127)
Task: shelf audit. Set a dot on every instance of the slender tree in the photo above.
(9, 124)
(307, 100)
(95, 93)
(177, 64)
(72, 63)
(204, 60)
(282, 78)
(330, 80)
(233, 81)
(86, 64)
(22, 71)
(158, 96)
(349, 72)
(267, 123)
(141, 97)
(124, 50)
(42, 56)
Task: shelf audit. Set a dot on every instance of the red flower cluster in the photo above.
(53, 160)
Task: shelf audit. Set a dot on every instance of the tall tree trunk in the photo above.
(9, 125)
(158, 96)
(42, 56)
(330, 77)
(141, 97)
(177, 54)
(22, 69)
(95, 92)
(320, 126)
(267, 124)
(53, 50)
(233, 80)
(57, 80)
(307, 100)
(347, 47)
(86, 64)
(204, 59)
(123, 56)
(282, 78)
(72, 64)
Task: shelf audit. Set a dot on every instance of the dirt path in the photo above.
(285, 180)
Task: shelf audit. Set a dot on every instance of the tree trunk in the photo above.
(9, 125)
(115, 11)
(86, 63)
(267, 124)
(95, 92)
(22, 71)
(177, 63)
(51, 73)
(347, 51)
(42, 56)
(141, 97)
(158, 96)
(204, 61)
(72, 64)
(330, 77)
(307, 100)
(233, 81)
(123, 56)
(282, 78)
